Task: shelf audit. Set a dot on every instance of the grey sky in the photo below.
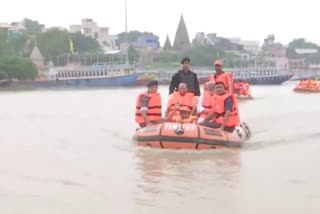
(248, 19)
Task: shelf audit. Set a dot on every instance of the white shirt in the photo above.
(200, 108)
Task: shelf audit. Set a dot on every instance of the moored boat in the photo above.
(96, 75)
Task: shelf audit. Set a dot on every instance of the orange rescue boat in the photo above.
(241, 89)
(307, 86)
(168, 136)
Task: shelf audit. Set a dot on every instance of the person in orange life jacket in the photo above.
(224, 111)
(204, 105)
(148, 108)
(184, 115)
(221, 76)
(236, 87)
(182, 97)
(205, 87)
(185, 76)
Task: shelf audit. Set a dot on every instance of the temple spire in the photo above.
(181, 41)
(167, 44)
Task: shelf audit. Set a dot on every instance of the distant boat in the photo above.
(263, 75)
(297, 77)
(100, 74)
(254, 76)
(96, 75)
(257, 76)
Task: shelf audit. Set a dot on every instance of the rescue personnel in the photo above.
(148, 106)
(182, 97)
(185, 76)
(204, 105)
(224, 112)
(222, 76)
(181, 114)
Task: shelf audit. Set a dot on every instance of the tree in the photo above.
(3, 75)
(199, 55)
(170, 56)
(12, 43)
(55, 43)
(302, 43)
(17, 41)
(85, 45)
(132, 54)
(33, 27)
(133, 36)
(17, 67)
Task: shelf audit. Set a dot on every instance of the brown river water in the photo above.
(71, 152)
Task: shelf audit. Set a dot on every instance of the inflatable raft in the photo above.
(241, 89)
(307, 86)
(306, 90)
(192, 136)
(244, 97)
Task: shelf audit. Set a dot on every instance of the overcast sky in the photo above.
(248, 19)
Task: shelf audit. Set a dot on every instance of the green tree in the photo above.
(18, 67)
(302, 43)
(17, 41)
(54, 44)
(170, 56)
(199, 55)
(132, 54)
(85, 45)
(12, 43)
(33, 27)
(3, 75)
(132, 36)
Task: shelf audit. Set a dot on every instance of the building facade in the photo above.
(91, 29)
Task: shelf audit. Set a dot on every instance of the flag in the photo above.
(71, 46)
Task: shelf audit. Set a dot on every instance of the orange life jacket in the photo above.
(313, 84)
(247, 88)
(207, 103)
(236, 85)
(186, 100)
(222, 78)
(218, 109)
(190, 119)
(154, 107)
(302, 83)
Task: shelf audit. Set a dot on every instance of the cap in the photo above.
(152, 82)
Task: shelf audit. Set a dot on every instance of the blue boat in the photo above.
(301, 76)
(97, 75)
(254, 76)
(263, 76)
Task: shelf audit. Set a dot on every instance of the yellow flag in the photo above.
(71, 46)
